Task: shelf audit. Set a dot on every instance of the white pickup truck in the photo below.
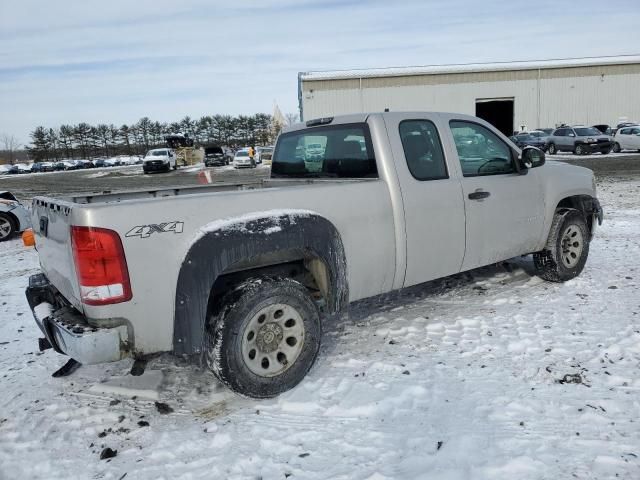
(203, 272)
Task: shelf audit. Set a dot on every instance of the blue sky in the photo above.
(116, 61)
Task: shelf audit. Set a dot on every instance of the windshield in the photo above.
(587, 131)
(212, 150)
(331, 151)
(157, 153)
(524, 137)
(242, 154)
(538, 134)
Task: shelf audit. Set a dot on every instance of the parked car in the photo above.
(8, 170)
(241, 279)
(529, 139)
(242, 160)
(579, 140)
(266, 155)
(314, 151)
(43, 167)
(84, 163)
(216, 156)
(260, 152)
(14, 217)
(112, 162)
(602, 128)
(99, 163)
(23, 167)
(627, 138)
(159, 160)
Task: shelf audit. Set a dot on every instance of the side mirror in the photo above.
(531, 157)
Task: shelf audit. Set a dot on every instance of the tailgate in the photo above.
(51, 221)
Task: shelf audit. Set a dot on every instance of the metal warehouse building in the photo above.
(512, 95)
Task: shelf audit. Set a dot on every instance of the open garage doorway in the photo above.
(498, 112)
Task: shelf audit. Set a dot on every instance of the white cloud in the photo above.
(117, 61)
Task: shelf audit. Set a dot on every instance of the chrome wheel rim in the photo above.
(273, 340)
(572, 245)
(5, 228)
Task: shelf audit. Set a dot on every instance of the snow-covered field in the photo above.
(493, 374)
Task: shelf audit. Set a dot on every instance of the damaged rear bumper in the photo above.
(68, 331)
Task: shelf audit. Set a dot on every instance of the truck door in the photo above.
(504, 210)
(431, 195)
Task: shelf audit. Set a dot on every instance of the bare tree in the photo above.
(291, 118)
(10, 144)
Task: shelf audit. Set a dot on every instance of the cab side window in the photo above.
(423, 150)
(481, 152)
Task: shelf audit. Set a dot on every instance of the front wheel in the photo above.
(265, 337)
(7, 227)
(616, 147)
(567, 248)
(552, 149)
(580, 150)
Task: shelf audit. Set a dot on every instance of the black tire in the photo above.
(7, 227)
(227, 330)
(606, 152)
(552, 149)
(580, 150)
(552, 263)
(616, 148)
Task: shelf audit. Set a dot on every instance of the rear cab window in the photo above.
(423, 150)
(332, 151)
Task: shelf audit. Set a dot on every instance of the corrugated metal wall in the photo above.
(543, 98)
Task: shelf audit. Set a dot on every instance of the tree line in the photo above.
(102, 140)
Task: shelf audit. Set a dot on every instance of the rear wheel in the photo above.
(265, 337)
(567, 248)
(552, 149)
(7, 227)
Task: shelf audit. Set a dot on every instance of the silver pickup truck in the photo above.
(241, 276)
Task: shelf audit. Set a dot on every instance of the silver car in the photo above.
(579, 140)
(14, 217)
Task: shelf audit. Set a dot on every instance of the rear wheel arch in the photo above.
(263, 246)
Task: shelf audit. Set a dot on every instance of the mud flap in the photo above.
(67, 369)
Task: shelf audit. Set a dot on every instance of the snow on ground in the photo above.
(571, 155)
(492, 374)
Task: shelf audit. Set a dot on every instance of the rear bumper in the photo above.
(68, 331)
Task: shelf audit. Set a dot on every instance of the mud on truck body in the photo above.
(396, 199)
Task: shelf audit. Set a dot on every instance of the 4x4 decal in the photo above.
(144, 231)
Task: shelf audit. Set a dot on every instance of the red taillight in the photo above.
(100, 265)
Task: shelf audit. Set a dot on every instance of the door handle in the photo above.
(478, 195)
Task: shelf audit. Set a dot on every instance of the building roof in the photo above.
(469, 68)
